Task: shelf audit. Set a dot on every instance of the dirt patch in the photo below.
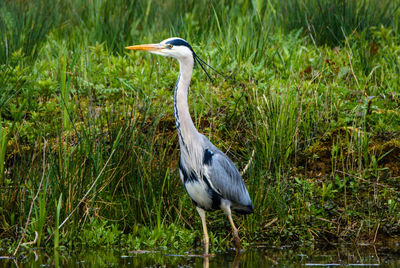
(348, 148)
(389, 155)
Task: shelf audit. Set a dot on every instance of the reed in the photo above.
(316, 127)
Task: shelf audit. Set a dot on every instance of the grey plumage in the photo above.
(215, 170)
(210, 178)
(226, 179)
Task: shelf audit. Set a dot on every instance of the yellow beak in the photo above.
(146, 47)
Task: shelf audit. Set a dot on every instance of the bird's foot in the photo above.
(237, 245)
(237, 242)
(208, 255)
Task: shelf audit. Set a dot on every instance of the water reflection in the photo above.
(254, 257)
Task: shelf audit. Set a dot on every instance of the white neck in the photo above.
(186, 130)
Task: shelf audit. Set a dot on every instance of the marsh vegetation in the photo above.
(310, 102)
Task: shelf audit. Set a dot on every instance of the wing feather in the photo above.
(224, 177)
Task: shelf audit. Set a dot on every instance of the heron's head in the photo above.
(172, 47)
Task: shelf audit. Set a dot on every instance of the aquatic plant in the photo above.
(316, 127)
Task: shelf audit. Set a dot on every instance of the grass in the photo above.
(88, 128)
(334, 20)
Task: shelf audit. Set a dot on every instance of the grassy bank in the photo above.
(88, 147)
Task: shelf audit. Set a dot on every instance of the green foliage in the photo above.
(172, 238)
(24, 26)
(3, 147)
(318, 127)
(99, 234)
(329, 22)
(57, 224)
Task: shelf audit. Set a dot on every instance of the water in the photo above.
(253, 257)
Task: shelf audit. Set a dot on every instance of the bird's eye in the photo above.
(169, 46)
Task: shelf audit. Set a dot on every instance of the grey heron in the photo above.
(210, 178)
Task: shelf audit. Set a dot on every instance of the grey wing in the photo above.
(225, 178)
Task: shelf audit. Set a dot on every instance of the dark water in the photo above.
(253, 257)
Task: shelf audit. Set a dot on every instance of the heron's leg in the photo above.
(234, 230)
(202, 214)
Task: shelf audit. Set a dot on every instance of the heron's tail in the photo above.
(248, 209)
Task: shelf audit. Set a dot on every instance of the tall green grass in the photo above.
(328, 22)
(24, 25)
(302, 117)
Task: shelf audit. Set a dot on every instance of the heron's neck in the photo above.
(184, 124)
